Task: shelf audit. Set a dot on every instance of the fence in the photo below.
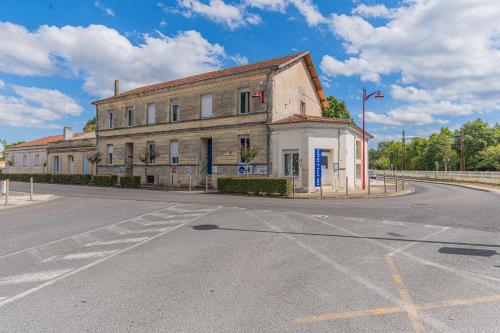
(490, 177)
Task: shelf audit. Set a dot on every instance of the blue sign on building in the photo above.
(317, 167)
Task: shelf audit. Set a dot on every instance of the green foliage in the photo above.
(94, 157)
(489, 159)
(443, 147)
(104, 180)
(268, 186)
(130, 181)
(336, 109)
(90, 125)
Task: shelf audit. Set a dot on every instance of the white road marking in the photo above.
(88, 255)
(2, 298)
(392, 222)
(407, 246)
(98, 261)
(152, 223)
(79, 235)
(145, 231)
(49, 259)
(117, 241)
(32, 277)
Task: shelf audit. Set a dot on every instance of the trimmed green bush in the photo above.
(269, 186)
(22, 177)
(130, 181)
(104, 180)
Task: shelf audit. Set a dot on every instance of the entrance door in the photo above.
(209, 156)
(326, 167)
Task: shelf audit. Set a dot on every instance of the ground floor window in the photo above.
(244, 146)
(291, 163)
(358, 171)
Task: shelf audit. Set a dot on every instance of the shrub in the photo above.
(104, 180)
(71, 179)
(130, 181)
(280, 186)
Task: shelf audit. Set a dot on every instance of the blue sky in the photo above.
(434, 69)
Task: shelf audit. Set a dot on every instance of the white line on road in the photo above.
(88, 255)
(388, 222)
(117, 241)
(152, 223)
(32, 277)
(94, 263)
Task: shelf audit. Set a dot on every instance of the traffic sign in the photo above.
(317, 167)
(187, 170)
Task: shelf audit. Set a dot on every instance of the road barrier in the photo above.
(490, 177)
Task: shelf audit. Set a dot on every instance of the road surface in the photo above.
(118, 260)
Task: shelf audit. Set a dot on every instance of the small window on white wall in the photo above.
(358, 149)
(151, 114)
(302, 108)
(206, 106)
(291, 163)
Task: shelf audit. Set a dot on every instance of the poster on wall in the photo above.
(317, 167)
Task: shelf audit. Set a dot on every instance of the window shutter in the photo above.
(206, 106)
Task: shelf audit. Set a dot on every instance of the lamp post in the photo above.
(378, 95)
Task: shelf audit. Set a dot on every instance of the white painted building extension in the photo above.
(293, 144)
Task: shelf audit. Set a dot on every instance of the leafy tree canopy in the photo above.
(90, 126)
(336, 109)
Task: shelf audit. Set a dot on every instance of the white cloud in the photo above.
(217, 10)
(273, 5)
(378, 118)
(36, 107)
(239, 59)
(447, 64)
(105, 9)
(372, 11)
(2, 84)
(309, 11)
(52, 50)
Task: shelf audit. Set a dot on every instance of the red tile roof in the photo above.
(40, 142)
(297, 118)
(211, 75)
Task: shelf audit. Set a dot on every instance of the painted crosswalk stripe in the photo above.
(2, 298)
(153, 223)
(145, 231)
(117, 241)
(32, 277)
(88, 255)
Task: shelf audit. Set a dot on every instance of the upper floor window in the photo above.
(110, 119)
(110, 154)
(174, 111)
(152, 152)
(174, 152)
(25, 160)
(151, 114)
(37, 159)
(302, 108)
(206, 106)
(358, 149)
(244, 102)
(130, 116)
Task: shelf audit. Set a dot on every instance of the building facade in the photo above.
(194, 129)
(29, 157)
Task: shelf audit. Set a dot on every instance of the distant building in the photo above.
(199, 125)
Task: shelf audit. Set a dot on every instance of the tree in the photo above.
(147, 156)
(94, 157)
(489, 159)
(336, 109)
(247, 155)
(3, 144)
(478, 136)
(90, 125)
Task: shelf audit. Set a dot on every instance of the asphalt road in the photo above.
(114, 260)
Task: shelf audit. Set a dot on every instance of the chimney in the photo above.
(117, 87)
(68, 133)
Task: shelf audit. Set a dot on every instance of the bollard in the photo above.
(369, 182)
(321, 190)
(7, 192)
(206, 183)
(385, 185)
(293, 187)
(403, 183)
(346, 186)
(396, 184)
(31, 188)
(189, 182)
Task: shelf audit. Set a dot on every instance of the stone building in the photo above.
(198, 125)
(30, 156)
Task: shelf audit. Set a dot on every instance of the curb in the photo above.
(363, 196)
(472, 187)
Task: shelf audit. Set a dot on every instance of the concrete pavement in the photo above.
(99, 259)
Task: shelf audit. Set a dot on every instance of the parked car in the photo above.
(372, 174)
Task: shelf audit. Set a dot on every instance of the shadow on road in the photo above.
(216, 227)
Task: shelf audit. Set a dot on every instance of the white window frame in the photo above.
(25, 160)
(174, 155)
(110, 119)
(206, 106)
(130, 116)
(37, 159)
(175, 102)
(110, 154)
(356, 150)
(151, 114)
(151, 145)
(288, 170)
(244, 141)
(247, 93)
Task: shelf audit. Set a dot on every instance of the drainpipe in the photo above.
(96, 135)
(268, 102)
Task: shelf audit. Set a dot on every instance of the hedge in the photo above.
(130, 181)
(104, 180)
(269, 186)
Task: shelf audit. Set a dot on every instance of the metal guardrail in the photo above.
(490, 177)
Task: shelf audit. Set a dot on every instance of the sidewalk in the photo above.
(481, 187)
(17, 199)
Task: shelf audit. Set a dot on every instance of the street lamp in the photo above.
(378, 95)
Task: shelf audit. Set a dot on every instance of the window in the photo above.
(206, 106)
(110, 154)
(174, 152)
(110, 119)
(152, 149)
(56, 165)
(302, 108)
(151, 114)
(174, 111)
(37, 159)
(25, 160)
(291, 163)
(358, 150)
(244, 145)
(244, 102)
(130, 116)
(324, 162)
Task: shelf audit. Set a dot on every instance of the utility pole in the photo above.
(404, 151)
(462, 155)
